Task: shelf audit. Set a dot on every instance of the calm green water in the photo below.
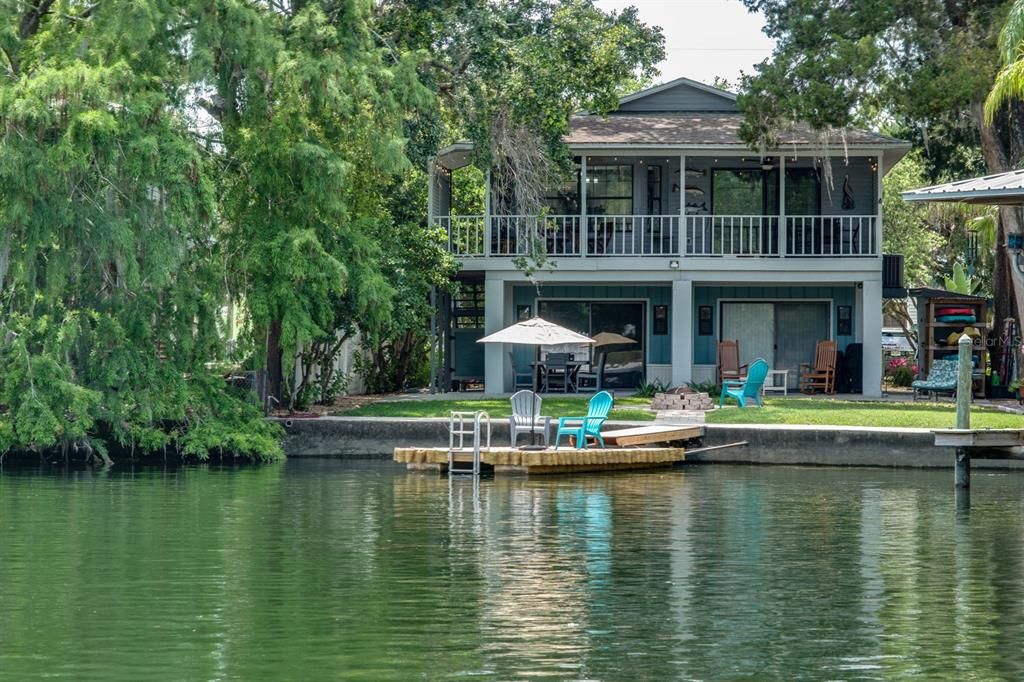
(322, 570)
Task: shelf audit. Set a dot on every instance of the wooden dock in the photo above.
(981, 443)
(979, 438)
(649, 435)
(549, 461)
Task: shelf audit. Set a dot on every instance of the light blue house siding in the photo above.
(470, 354)
(659, 348)
(704, 346)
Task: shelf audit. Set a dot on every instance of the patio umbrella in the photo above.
(611, 339)
(535, 332)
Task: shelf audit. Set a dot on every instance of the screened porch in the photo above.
(677, 206)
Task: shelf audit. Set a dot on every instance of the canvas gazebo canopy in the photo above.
(1001, 189)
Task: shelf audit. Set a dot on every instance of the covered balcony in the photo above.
(681, 206)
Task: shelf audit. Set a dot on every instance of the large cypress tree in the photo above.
(311, 107)
(110, 271)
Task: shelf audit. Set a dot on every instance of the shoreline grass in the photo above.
(812, 412)
(807, 412)
(625, 409)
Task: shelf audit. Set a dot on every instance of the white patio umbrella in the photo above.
(535, 332)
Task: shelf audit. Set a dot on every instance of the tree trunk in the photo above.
(274, 365)
(1007, 282)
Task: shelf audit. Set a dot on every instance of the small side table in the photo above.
(771, 385)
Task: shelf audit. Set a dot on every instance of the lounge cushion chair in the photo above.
(590, 425)
(740, 391)
(941, 378)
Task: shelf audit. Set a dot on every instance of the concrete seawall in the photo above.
(377, 437)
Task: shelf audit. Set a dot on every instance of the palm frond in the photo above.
(985, 227)
(1012, 35)
(1009, 86)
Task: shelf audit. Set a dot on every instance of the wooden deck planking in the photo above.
(979, 438)
(552, 460)
(648, 435)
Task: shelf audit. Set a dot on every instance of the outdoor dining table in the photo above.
(572, 366)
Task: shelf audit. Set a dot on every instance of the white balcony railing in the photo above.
(830, 236)
(711, 236)
(732, 235)
(633, 235)
(558, 235)
(466, 233)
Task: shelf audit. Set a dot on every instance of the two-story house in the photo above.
(676, 235)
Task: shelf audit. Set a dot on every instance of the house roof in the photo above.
(682, 81)
(932, 292)
(1002, 188)
(686, 114)
(700, 128)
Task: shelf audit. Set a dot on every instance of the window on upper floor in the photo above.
(756, 192)
(565, 199)
(610, 190)
(738, 192)
(803, 191)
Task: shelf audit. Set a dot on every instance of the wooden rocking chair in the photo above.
(821, 376)
(729, 367)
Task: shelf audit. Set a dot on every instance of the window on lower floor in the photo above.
(468, 306)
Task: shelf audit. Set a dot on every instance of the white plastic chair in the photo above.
(526, 416)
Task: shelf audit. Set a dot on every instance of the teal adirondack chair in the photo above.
(590, 425)
(751, 388)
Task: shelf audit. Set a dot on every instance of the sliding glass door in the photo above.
(618, 326)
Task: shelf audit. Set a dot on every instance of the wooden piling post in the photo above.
(962, 467)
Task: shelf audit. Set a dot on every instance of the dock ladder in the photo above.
(460, 425)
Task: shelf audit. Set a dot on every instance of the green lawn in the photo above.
(776, 411)
(843, 413)
(631, 409)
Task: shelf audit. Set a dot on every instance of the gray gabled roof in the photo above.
(715, 130)
(701, 128)
(998, 189)
(687, 114)
(654, 90)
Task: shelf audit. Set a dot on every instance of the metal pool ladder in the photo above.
(462, 424)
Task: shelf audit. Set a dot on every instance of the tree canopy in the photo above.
(165, 163)
(917, 68)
